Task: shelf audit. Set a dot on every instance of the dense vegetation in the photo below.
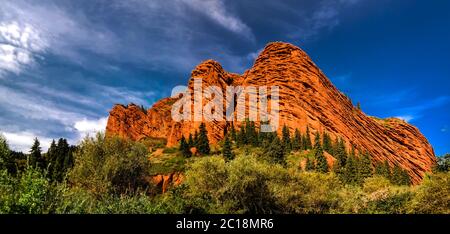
(249, 172)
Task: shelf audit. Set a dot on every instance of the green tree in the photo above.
(233, 133)
(190, 141)
(110, 165)
(203, 142)
(286, 138)
(309, 165)
(297, 140)
(242, 136)
(383, 169)
(51, 158)
(327, 143)
(227, 152)
(400, 176)
(340, 153)
(317, 144)
(365, 167)
(35, 157)
(184, 147)
(350, 175)
(6, 159)
(275, 151)
(322, 165)
(307, 140)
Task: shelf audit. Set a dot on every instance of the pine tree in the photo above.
(227, 152)
(286, 139)
(6, 157)
(327, 144)
(203, 142)
(308, 144)
(350, 174)
(309, 165)
(242, 136)
(233, 133)
(195, 142)
(251, 134)
(322, 165)
(383, 169)
(365, 167)
(184, 147)
(275, 151)
(62, 150)
(190, 141)
(51, 157)
(317, 144)
(400, 176)
(68, 160)
(35, 157)
(340, 153)
(297, 140)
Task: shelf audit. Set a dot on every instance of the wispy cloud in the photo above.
(216, 10)
(406, 118)
(417, 111)
(323, 16)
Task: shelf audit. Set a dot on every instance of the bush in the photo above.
(433, 195)
(240, 186)
(308, 193)
(28, 194)
(110, 165)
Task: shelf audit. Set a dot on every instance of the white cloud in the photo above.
(216, 10)
(90, 127)
(19, 45)
(22, 141)
(406, 118)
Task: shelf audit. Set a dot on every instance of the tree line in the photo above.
(352, 166)
(55, 162)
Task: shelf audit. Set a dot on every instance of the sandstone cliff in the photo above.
(307, 98)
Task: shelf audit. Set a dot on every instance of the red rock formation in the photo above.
(307, 98)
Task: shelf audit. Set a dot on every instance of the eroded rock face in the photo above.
(307, 98)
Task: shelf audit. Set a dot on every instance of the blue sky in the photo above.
(63, 64)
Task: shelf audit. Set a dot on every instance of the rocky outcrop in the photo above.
(165, 181)
(307, 98)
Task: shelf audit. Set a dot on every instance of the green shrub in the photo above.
(433, 195)
(110, 165)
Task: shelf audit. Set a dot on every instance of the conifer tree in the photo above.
(275, 151)
(317, 144)
(400, 176)
(322, 165)
(297, 140)
(286, 139)
(350, 174)
(309, 165)
(327, 144)
(35, 157)
(340, 153)
(184, 147)
(365, 167)
(195, 142)
(6, 157)
(51, 157)
(203, 142)
(308, 144)
(233, 133)
(227, 152)
(383, 169)
(190, 141)
(242, 136)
